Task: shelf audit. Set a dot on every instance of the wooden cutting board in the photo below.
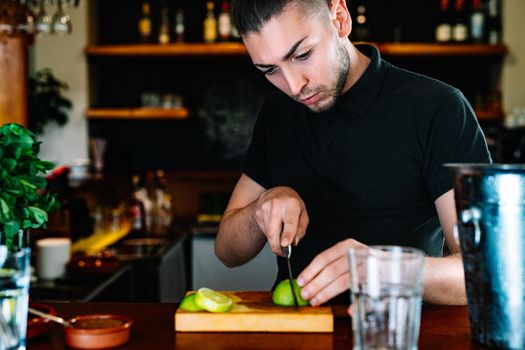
(255, 312)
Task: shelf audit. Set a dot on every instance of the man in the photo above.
(352, 156)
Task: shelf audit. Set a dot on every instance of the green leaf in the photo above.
(17, 152)
(4, 208)
(11, 229)
(38, 215)
(9, 164)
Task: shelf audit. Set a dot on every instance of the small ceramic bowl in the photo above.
(97, 331)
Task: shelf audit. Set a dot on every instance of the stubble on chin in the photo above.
(340, 77)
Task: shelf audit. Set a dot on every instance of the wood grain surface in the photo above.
(255, 312)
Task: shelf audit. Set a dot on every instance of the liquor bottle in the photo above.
(179, 26)
(210, 24)
(361, 31)
(444, 28)
(477, 22)
(225, 22)
(460, 29)
(136, 209)
(163, 215)
(494, 22)
(145, 33)
(164, 28)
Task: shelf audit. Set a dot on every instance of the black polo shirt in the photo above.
(371, 167)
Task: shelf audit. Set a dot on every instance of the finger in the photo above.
(329, 274)
(324, 259)
(273, 233)
(333, 289)
(291, 223)
(301, 229)
(349, 310)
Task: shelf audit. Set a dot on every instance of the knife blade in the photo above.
(287, 252)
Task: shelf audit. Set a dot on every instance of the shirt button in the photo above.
(329, 143)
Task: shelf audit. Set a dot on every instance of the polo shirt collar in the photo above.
(360, 96)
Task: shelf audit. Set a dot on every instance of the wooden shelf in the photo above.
(183, 49)
(431, 49)
(489, 114)
(236, 49)
(137, 113)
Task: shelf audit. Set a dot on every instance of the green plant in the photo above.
(46, 102)
(23, 202)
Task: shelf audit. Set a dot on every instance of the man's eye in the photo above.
(304, 56)
(270, 71)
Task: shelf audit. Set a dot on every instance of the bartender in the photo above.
(351, 153)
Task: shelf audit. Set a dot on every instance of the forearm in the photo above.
(239, 238)
(444, 281)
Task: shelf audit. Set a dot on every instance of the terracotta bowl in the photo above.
(39, 325)
(97, 331)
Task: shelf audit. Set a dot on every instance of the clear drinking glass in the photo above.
(386, 284)
(14, 297)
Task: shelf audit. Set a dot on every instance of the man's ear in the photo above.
(340, 17)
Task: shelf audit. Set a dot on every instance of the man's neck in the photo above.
(358, 65)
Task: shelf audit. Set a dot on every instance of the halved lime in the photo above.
(213, 301)
(188, 303)
(282, 295)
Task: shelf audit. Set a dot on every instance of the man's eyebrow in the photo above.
(285, 57)
(260, 65)
(293, 48)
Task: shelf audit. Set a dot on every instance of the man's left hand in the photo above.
(327, 275)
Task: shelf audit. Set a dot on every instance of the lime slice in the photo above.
(212, 301)
(188, 303)
(282, 295)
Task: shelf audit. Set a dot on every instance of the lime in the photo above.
(188, 303)
(212, 301)
(282, 295)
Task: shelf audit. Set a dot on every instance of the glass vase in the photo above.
(14, 290)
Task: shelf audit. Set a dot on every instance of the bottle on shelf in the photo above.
(164, 27)
(162, 204)
(145, 32)
(179, 26)
(361, 31)
(477, 22)
(145, 205)
(444, 27)
(225, 22)
(210, 23)
(460, 29)
(136, 208)
(494, 35)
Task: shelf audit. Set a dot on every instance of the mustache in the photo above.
(307, 92)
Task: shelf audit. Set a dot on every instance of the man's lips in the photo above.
(311, 99)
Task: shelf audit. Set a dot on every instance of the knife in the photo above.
(287, 252)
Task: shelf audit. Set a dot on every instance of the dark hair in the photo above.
(251, 15)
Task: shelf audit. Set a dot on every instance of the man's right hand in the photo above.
(281, 215)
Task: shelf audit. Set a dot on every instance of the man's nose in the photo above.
(296, 81)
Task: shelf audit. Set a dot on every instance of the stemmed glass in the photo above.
(43, 20)
(61, 21)
(26, 19)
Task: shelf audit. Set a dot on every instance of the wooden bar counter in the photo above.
(442, 327)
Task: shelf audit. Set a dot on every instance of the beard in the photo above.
(340, 75)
